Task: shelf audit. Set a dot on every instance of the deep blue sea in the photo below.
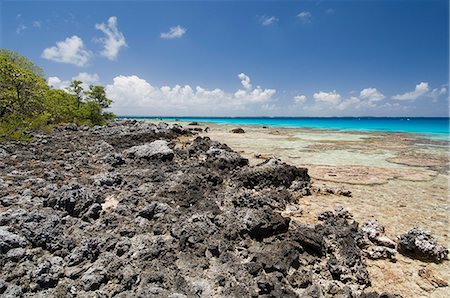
(434, 127)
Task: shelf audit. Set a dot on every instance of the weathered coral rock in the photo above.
(205, 224)
(420, 244)
(158, 149)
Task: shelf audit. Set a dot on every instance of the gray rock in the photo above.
(46, 231)
(271, 173)
(420, 244)
(87, 251)
(107, 179)
(73, 198)
(3, 153)
(93, 278)
(155, 150)
(381, 252)
(224, 159)
(15, 254)
(13, 291)
(114, 160)
(10, 240)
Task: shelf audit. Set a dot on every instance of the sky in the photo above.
(243, 58)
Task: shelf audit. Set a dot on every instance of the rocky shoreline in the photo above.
(138, 209)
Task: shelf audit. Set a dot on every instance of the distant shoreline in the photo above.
(434, 127)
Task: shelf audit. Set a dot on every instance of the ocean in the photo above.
(432, 127)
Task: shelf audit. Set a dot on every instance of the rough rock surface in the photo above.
(202, 223)
(157, 149)
(420, 244)
(237, 130)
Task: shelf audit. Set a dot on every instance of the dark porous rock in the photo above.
(272, 173)
(75, 199)
(262, 223)
(237, 130)
(107, 179)
(420, 244)
(48, 273)
(87, 251)
(131, 209)
(12, 291)
(10, 240)
(193, 123)
(71, 126)
(114, 160)
(46, 231)
(156, 150)
(93, 278)
(224, 159)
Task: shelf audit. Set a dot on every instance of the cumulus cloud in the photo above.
(132, 94)
(299, 99)
(114, 39)
(174, 32)
(57, 83)
(86, 78)
(245, 80)
(305, 17)
(371, 94)
(267, 21)
(353, 101)
(71, 51)
(332, 101)
(421, 89)
(328, 97)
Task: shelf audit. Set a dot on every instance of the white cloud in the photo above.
(328, 97)
(305, 17)
(267, 21)
(132, 94)
(71, 51)
(245, 80)
(37, 24)
(436, 92)
(330, 11)
(57, 83)
(174, 32)
(421, 89)
(300, 99)
(86, 78)
(353, 101)
(20, 28)
(114, 39)
(371, 94)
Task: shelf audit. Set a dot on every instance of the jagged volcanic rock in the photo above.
(84, 213)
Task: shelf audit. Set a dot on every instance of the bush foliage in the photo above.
(27, 103)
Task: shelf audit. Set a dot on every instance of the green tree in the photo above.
(22, 86)
(28, 103)
(98, 94)
(77, 89)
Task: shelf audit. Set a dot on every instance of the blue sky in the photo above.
(253, 58)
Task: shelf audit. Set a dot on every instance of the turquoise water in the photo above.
(436, 127)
